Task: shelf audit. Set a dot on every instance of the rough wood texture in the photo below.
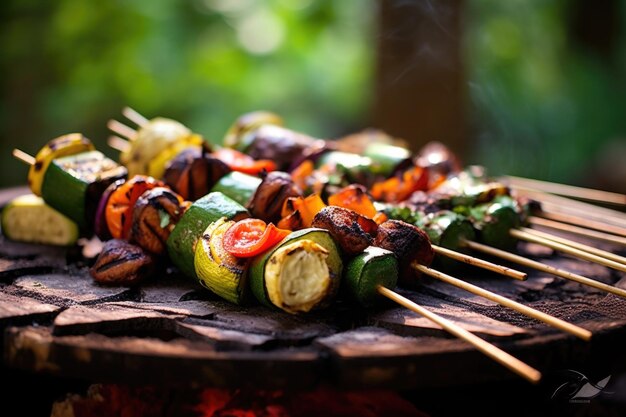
(55, 319)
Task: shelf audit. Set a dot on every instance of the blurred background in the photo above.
(531, 88)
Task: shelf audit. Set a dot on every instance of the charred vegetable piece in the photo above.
(100, 226)
(158, 165)
(156, 136)
(268, 200)
(28, 218)
(218, 270)
(494, 220)
(408, 243)
(386, 158)
(439, 160)
(366, 271)
(65, 145)
(349, 167)
(251, 237)
(181, 245)
(240, 187)
(119, 208)
(401, 186)
(122, 263)
(74, 184)
(275, 143)
(469, 188)
(448, 229)
(300, 274)
(354, 197)
(352, 231)
(192, 173)
(247, 122)
(298, 212)
(240, 162)
(155, 215)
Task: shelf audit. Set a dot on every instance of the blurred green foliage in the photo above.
(540, 104)
(543, 104)
(70, 65)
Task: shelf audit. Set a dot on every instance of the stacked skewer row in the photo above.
(282, 216)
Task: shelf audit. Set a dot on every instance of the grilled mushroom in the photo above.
(122, 263)
(352, 231)
(267, 201)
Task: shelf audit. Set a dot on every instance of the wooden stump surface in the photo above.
(170, 331)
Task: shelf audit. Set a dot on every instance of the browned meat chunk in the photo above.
(352, 231)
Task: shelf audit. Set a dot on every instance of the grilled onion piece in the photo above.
(352, 231)
(267, 201)
(155, 215)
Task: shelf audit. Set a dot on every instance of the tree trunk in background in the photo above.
(420, 85)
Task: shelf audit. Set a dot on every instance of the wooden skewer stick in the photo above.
(134, 116)
(560, 204)
(589, 249)
(471, 260)
(23, 156)
(544, 268)
(589, 223)
(507, 302)
(530, 237)
(569, 190)
(121, 129)
(118, 143)
(581, 231)
(522, 369)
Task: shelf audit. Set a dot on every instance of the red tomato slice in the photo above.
(238, 161)
(250, 237)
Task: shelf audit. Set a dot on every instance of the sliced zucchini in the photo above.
(218, 270)
(29, 219)
(65, 145)
(297, 277)
(181, 245)
(261, 270)
(366, 271)
(74, 184)
(238, 186)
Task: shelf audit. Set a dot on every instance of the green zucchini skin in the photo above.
(386, 158)
(238, 186)
(74, 184)
(181, 244)
(448, 229)
(366, 271)
(319, 236)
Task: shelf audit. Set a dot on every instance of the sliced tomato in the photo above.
(238, 161)
(251, 237)
(119, 208)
